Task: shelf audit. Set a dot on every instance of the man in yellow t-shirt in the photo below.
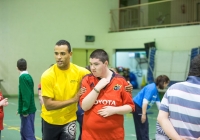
(60, 91)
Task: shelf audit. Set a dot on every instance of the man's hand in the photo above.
(102, 83)
(79, 93)
(129, 88)
(4, 102)
(82, 90)
(107, 111)
(143, 118)
(26, 115)
(77, 96)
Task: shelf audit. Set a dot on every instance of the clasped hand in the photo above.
(79, 93)
(107, 111)
(102, 83)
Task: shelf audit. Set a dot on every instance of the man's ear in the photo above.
(106, 63)
(70, 53)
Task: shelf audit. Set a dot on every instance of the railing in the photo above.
(155, 15)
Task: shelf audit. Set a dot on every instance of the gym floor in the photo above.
(12, 122)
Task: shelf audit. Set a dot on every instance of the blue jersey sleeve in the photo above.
(148, 93)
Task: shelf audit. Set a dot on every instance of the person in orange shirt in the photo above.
(3, 102)
(80, 112)
(104, 101)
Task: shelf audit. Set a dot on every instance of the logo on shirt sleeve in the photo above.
(117, 87)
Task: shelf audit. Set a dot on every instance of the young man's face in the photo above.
(62, 56)
(97, 67)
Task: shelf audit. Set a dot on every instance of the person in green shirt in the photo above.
(26, 102)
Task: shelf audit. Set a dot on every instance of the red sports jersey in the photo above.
(1, 112)
(114, 94)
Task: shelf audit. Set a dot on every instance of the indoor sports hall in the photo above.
(143, 38)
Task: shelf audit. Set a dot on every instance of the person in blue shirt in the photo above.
(143, 101)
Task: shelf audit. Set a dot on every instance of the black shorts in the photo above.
(59, 132)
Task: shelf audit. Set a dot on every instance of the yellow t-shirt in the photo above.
(61, 85)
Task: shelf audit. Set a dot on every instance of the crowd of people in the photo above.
(98, 97)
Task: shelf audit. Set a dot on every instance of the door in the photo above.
(81, 56)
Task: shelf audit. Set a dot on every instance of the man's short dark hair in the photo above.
(64, 42)
(21, 64)
(195, 66)
(100, 54)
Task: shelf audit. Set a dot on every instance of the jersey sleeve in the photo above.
(148, 93)
(26, 83)
(47, 87)
(85, 83)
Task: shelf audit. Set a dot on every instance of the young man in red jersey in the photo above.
(104, 101)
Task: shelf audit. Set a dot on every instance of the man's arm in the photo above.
(158, 104)
(111, 110)
(126, 107)
(144, 111)
(89, 100)
(51, 104)
(163, 120)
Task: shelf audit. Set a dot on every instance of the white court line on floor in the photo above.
(10, 103)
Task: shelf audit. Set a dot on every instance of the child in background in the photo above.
(3, 102)
(26, 102)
